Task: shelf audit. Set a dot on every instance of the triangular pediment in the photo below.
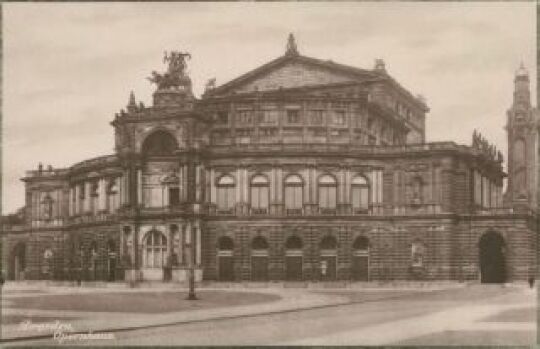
(292, 72)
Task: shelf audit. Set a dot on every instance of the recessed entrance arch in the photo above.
(18, 262)
(259, 259)
(159, 143)
(360, 261)
(492, 259)
(328, 247)
(293, 258)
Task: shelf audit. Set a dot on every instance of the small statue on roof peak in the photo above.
(292, 50)
(210, 85)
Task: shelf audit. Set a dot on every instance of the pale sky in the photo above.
(68, 67)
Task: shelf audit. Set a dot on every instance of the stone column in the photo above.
(312, 185)
(306, 196)
(181, 233)
(102, 194)
(70, 201)
(122, 242)
(76, 207)
(279, 185)
(165, 197)
(139, 187)
(212, 189)
(170, 246)
(87, 196)
(198, 243)
(198, 183)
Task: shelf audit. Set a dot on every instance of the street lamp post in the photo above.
(191, 254)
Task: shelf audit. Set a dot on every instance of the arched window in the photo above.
(328, 243)
(418, 252)
(155, 249)
(417, 186)
(225, 192)
(327, 194)
(259, 243)
(159, 143)
(225, 243)
(360, 194)
(259, 189)
(361, 243)
(294, 192)
(294, 243)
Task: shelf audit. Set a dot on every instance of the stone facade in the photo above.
(301, 169)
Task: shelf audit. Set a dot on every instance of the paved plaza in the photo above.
(281, 314)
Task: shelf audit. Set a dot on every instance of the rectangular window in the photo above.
(293, 116)
(327, 197)
(259, 197)
(244, 117)
(339, 117)
(269, 117)
(174, 196)
(293, 197)
(243, 132)
(268, 132)
(222, 118)
(316, 117)
(360, 197)
(226, 198)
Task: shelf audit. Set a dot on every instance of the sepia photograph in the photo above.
(269, 174)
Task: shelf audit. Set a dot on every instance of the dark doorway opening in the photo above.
(18, 262)
(492, 259)
(294, 268)
(259, 259)
(360, 261)
(293, 259)
(111, 264)
(174, 196)
(225, 259)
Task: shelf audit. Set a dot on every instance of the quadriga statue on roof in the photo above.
(176, 72)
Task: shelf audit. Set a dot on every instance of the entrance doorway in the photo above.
(225, 259)
(360, 260)
(328, 258)
(492, 259)
(111, 265)
(18, 263)
(259, 259)
(293, 259)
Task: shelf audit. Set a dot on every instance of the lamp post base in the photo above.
(192, 297)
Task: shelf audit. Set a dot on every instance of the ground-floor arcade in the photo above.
(484, 250)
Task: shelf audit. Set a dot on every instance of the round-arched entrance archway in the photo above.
(360, 260)
(293, 259)
(18, 262)
(328, 258)
(259, 259)
(492, 259)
